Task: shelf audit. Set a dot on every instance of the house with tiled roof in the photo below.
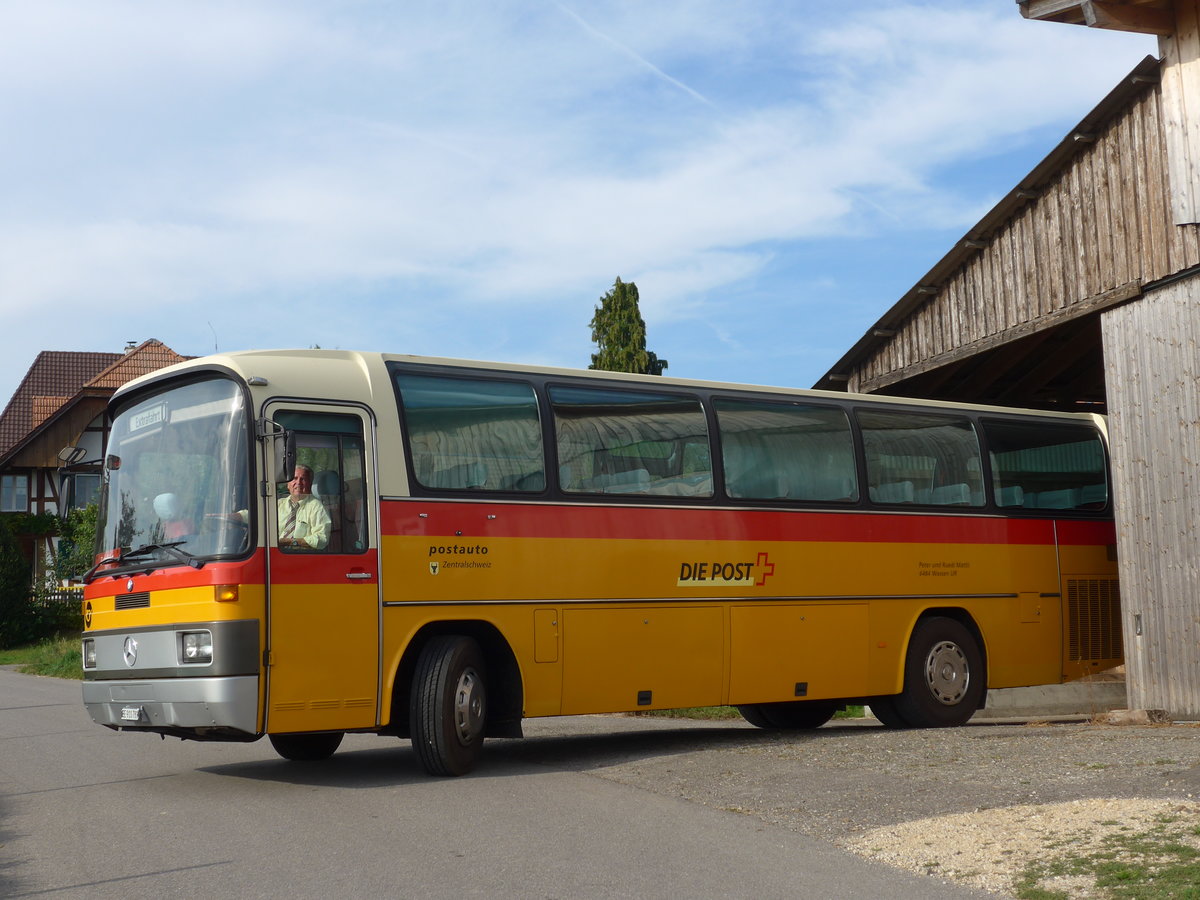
(60, 403)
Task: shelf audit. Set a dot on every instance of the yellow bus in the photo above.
(481, 543)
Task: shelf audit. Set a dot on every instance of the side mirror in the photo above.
(68, 456)
(285, 456)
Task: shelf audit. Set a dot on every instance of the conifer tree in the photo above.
(620, 334)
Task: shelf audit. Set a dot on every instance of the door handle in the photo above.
(358, 575)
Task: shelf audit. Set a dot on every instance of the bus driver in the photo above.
(303, 522)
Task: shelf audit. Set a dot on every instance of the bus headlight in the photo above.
(89, 654)
(196, 647)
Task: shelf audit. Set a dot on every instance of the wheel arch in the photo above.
(506, 692)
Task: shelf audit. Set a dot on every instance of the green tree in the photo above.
(16, 611)
(619, 333)
(77, 544)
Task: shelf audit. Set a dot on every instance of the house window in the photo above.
(14, 493)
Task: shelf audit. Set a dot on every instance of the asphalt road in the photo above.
(86, 812)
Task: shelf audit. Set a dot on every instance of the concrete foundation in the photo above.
(1076, 698)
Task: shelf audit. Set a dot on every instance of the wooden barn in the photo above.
(1080, 290)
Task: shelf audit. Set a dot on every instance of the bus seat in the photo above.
(462, 476)
(697, 484)
(635, 481)
(327, 485)
(1012, 495)
(951, 495)
(831, 487)
(892, 492)
(1068, 498)
(1093, 496)
(758, 484)
(524, 481)
(354, 533)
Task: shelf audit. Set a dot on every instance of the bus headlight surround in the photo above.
(89, 653)
(196, 647)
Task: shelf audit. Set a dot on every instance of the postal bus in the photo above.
(501, 542)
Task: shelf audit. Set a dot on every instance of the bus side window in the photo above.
(1047, 465)
(335, 457)
(786, 451)
(617, 441)
(921, 458)
(472, 434)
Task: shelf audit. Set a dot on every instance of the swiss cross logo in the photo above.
(765, 569)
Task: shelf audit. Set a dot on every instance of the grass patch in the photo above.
(1158, 863)
(56, 657)
(694, 712)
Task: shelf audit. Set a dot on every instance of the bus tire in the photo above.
(884, 709)
(306, 747)
(943, 675)
(448, 705)
(794, 715)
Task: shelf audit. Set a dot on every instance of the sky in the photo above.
(467, 179)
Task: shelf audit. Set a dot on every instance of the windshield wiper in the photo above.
(88, 575)
(171, 547)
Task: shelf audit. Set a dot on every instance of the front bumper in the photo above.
(223, 708)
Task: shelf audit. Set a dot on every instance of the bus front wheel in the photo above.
(943, 675)
(791, 716)
(306, 747)
(448, 705)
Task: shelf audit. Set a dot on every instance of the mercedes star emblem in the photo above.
(130, 651)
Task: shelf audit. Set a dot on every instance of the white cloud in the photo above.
(163, 159)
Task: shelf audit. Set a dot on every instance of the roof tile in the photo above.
(57, 376)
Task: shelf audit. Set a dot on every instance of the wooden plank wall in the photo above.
(1152, 359)
(1181, 111)
(1092, 236)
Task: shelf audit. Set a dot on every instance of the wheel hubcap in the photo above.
(468, 707)
(947, 673)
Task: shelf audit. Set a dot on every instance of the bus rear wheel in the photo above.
(884, 709)
(306, 747)
(448, 706)
(943, 675)
(793, 715)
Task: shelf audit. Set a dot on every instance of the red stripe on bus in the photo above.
(479, 520)
(173, 575)
(322, 568)
(1076, 533)
(448, 519)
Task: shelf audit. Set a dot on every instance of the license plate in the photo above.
(131, 713)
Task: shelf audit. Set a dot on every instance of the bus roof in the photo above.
(346, 372)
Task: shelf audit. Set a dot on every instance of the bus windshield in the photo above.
(176, 484)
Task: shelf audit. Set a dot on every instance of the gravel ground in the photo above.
(977, 800)
(990, 849)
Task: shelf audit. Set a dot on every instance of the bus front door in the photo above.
(323, 596)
